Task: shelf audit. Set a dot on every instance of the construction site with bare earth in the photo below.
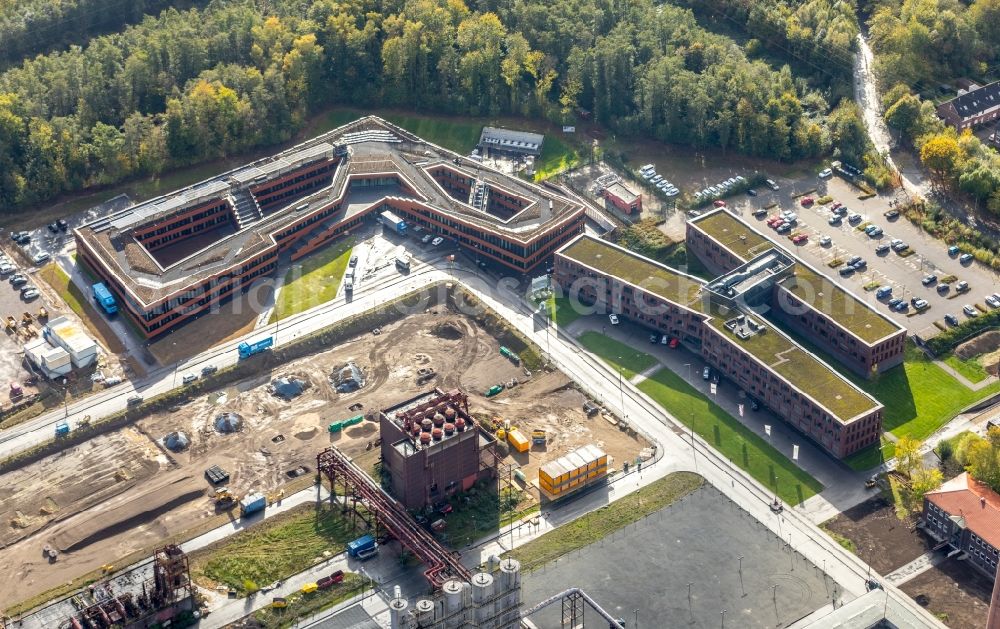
(119, 496)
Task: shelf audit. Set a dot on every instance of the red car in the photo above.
(806, 201)
(331, 580)
(719, 203)
(835, 205)
(799, 238)
(673, 343)
(774, 221)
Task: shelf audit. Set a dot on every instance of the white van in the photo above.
(349, 280)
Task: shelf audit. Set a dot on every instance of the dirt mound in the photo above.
(306, 435)
(988, 341)
(110, 522)
(447, 331)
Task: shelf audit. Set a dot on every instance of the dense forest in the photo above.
(196, 84)
(920, 45)
(28, 27)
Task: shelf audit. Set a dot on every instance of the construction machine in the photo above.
(224, 499)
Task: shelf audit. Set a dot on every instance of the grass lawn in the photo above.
(595, 525)
(314, 281)
(565, 314)
(971, 368)
(274, 549)
(302, 605)
(478, 512)
(919, 396)
(619, 355)
(557, 156)
(80, 304)
(731, 438)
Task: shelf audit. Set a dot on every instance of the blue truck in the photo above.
(62, 429)
(362, 548)
(252, 503)
(393, 222)
(247, 350)
(104, 298)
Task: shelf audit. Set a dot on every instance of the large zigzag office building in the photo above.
(174, 257)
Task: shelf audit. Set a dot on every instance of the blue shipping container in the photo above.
(253, 503)
(393, 222)
(247, 350)
(363, 544)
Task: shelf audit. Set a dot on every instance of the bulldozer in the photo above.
(224, 499)
(10, 323)
(27, 319)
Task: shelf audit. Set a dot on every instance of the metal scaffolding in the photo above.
(388, 513)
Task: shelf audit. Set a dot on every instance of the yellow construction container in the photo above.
(518, 440)
(581, 467)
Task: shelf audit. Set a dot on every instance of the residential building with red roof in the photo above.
(964, 515)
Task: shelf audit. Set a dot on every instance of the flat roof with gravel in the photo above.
(632, 268)
(801, 369)
(809, 285)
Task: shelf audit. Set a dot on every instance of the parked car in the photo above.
(784, 228)
(840, 210)
(928, 279)
(892, 303)
(353, 262)
(771, 184)
(854, 219)
(18, 280)
(759, 213)
(953, 251)
(657, 178)
(437, 241)
(992, 301)
(860, 265)
(21, 238)
(799, 238)
(825, 173)
(41, 257)
(970, 310)
(719, 203)
(427, 238)
(870, 229)
(62, 224)
(31, 293)
(962, 286)
(892, 215)
(654, 338)
(854, 260)
(751, 192)
(835, 220)
(965, 258)
(7, 268)
(902, 307)
(846, 271)
(52, 227)
(706, 373)
(883, 292)
(674, 342)
(951, 319)
(920, 304)
(943, 287)
(825, 241)
(209, 370)
(613, 318)
(188, 378)
(882, 248)
(807, 201)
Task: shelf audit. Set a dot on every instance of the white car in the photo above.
(30, 294)
(824, 241)
(426, 239)
(437, 241)
(40, 257)
(613, 318)
(826, 172)
(673, 192)
(648, 175)
(771, 184)
(969, 310)
(992, 301)
(189, 378)
(7, 269)
(648, 168)
(657, 179)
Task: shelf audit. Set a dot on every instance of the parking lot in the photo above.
(903, 273)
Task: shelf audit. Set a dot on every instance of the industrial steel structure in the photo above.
(390, 516)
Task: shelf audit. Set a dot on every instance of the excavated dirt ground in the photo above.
(123, 492)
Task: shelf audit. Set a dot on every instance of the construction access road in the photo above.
(680, 451)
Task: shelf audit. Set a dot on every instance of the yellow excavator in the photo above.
(224, 499)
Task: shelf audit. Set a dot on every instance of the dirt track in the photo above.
(123, 492)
